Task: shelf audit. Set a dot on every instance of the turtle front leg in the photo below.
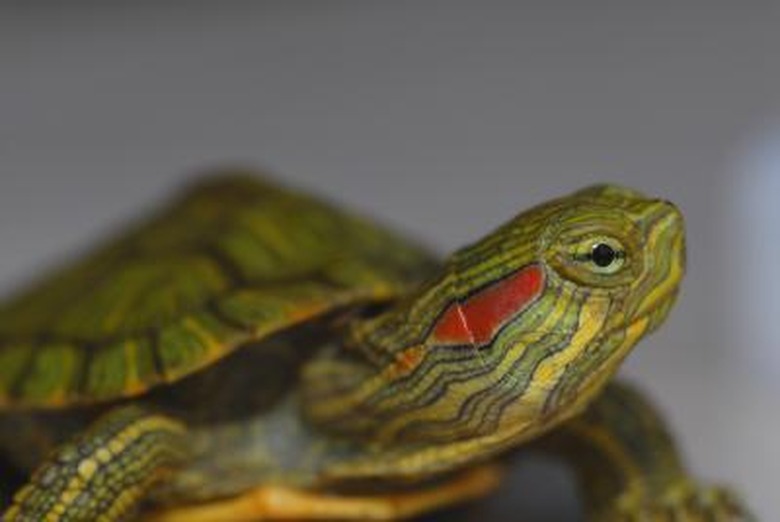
(103, 473)
(629, 469)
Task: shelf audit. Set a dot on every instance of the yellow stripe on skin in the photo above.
(592, 317)
(633, 333)
(128, 449)
(516, 352)
(345, 404)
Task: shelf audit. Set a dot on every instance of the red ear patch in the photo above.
(476, 319)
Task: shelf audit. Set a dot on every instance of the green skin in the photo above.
(363, 394)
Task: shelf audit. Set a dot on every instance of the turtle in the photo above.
(254, 352)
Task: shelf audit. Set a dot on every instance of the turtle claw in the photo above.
(697, 504)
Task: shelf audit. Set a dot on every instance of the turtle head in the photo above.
(517, 333)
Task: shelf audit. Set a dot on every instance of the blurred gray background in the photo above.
(443, 119)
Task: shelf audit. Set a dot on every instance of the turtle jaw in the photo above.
(571, 393)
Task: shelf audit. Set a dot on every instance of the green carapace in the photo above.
(251, 352)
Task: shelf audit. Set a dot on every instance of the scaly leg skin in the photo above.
(102, 474)
(279, 503)
(629, 469)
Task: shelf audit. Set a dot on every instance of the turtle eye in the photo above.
(602, 250)
(603, 256)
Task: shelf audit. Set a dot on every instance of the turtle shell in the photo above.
(232, 260)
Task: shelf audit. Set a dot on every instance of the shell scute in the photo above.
(232, 260)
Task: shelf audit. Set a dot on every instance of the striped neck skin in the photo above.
(518, 332)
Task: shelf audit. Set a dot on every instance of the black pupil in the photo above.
(603, 255)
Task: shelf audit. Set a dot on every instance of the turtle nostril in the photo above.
(669, 208)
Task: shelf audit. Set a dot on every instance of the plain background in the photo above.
(443, 119)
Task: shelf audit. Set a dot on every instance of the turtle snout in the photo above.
(672, 225)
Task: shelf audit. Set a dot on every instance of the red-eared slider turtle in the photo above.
(252, 352)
